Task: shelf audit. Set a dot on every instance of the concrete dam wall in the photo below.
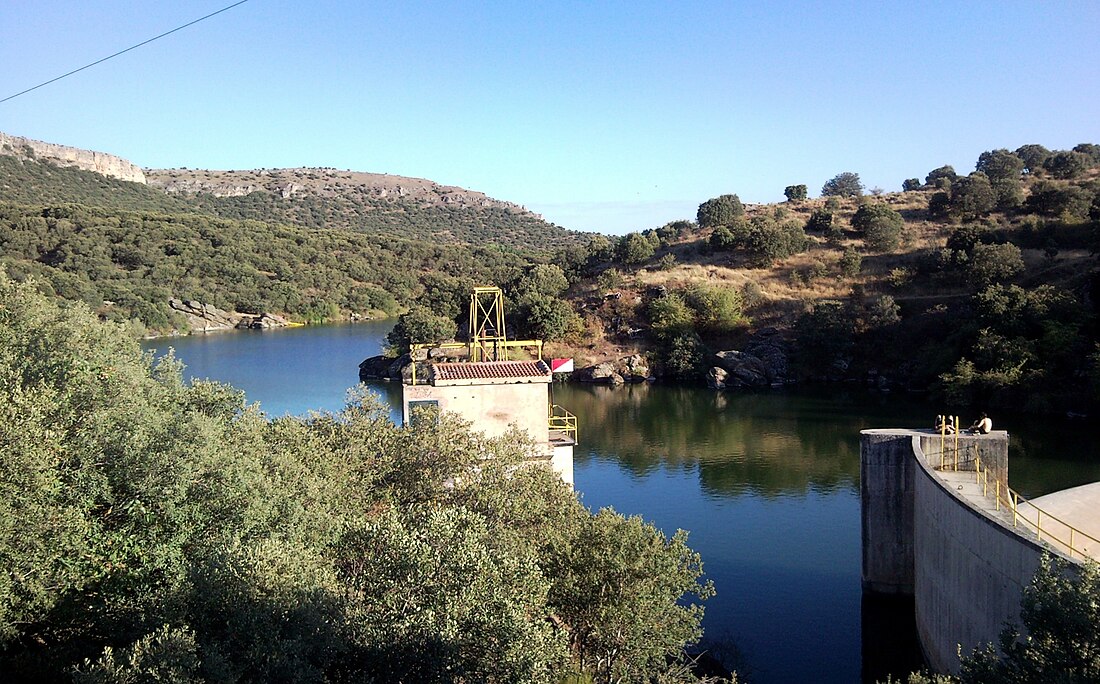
(929, 532)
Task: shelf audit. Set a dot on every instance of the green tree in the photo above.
(795, 193)
(420, 326)
(1033, 157)
(936, 177)
(1003, 168)
(1066, 165)
(669, 315)
(608, 564)
(850, 262)
(972, 196)
(633, 249)
(720, 211)
(820, 221)
(880, 225)
(717, 309)
(550, 318)
(994, 263)
(768, 241)
(1061, 613)
(846, 184)
(1090, 150)
(911, 185)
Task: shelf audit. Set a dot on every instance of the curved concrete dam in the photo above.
(940, 523)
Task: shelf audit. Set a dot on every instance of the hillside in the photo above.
(32, 172)
(983, 288)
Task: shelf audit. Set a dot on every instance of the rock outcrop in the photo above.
(209, 318)
(384, 367)
(762, 363)
(100, 162)
(632, 368)
(321, 182)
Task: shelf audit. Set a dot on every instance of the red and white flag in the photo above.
(561, 365)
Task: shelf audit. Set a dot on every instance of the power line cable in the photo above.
(120, 52)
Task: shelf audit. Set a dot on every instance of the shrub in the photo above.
(994, 263)
(942, 173)
(717, 309)
(795, 193)
(850, 262)
(880, 225)
(910, 184)
(669, 316)
(972, 196)
(820, 221)
(719, 211)
(1066, 165)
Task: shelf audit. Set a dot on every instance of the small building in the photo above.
(494, 395)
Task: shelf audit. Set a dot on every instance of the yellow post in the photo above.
(1039, 523)
(956, 467)
(1071, 542)
(997, 489)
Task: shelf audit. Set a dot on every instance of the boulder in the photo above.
(603, 373)
(633, 368)
(768, 345)
(746, 368)
(384, 367)
(716, 378)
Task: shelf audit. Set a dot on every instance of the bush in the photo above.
(768, 241)
(935, 176)
(1033, 156)
(669, 316)
(634, 249)
(880, 225)
(719, 211)
(419, 326)
(910, 185)
(821, 220)
(795, 193)
(1066, 165)
(994, 263)
(717, 309)
(850, 262)
(972, 196)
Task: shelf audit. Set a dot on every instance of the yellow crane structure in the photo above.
(494, 387)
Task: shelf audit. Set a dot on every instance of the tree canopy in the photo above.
(153, 530)
(846, 184)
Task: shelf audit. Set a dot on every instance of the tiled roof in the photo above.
(489, 370)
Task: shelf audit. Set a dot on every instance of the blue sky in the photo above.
(606, 116)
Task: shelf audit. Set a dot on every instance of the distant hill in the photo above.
(33, 172)
(313, 244)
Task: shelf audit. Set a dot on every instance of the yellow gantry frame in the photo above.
(488, 338)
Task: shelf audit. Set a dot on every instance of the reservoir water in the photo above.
(766, 483)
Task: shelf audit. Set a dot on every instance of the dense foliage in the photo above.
(157, 531)
(351, 209)
(128, 264)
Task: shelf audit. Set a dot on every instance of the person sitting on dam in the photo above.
(945, 425)
(982, 426)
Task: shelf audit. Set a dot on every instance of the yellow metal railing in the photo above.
(1068, 536)
(562, 420)
(1004, 496)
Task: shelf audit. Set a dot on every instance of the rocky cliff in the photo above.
(63, 155)
(324, 183)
